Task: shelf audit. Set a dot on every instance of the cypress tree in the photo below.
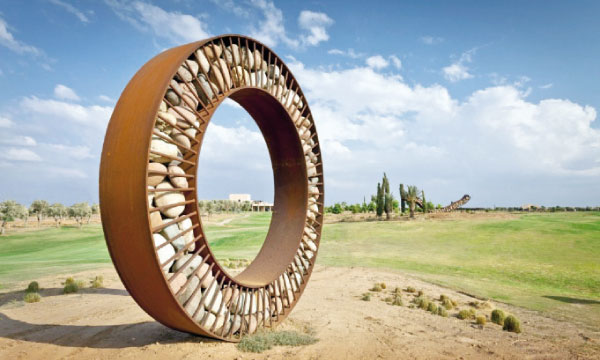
(379, 200)
(402, 199)
(424, 202)
(387, 197)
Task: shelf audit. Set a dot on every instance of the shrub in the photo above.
(383, 285)
(432, 308)
(512, 324)
(444, 298)
(31, 297)
(366, 297)
(420, 293)
(98, 282)
(466, 314)
(33, 287)
(69, 281)
(397, 301)
(70, 288)
(262, 341)
(410, 289)
(498, 317)
(377, 287)
(447, 304)
(421, 302)
(442, 312)
(397, 291)
(480, 320)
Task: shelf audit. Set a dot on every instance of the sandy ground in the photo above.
(106, 324)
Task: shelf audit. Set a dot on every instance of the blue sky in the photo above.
(498, 100)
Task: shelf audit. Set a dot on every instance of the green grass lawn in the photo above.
(547, 262)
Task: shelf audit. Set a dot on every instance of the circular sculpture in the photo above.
(148, 197)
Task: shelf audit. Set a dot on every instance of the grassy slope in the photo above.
(26, 256)
(525, 261)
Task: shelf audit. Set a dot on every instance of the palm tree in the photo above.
(412, 195)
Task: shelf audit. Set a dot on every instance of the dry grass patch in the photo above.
(265, 340)
(32, 297)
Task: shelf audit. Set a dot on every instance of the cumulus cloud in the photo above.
(459, 70)
(11, 139)
(371, 122)
(271, 30)
(80, 152)
(316, 23)
(89, 115)
(106, 98)
(17, 154)
(377, 62)
(5, 122)
(431, 40)
(174, 26)
(349, 53)
(65, 93)
(8, 40)
(396, 61)
(71, 9)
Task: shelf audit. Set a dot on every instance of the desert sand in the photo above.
(107, 324)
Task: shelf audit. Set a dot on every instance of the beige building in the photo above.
(261, 206)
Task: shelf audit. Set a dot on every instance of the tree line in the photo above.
(219, 206)
(11, 210)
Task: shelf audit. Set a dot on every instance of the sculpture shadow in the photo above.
(95, 336)
(571, 300)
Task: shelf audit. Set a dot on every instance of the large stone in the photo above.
(189, 99)
(172, 98)
(165, 198)
(207, 279)
(181, 139)
(164, 253)
(232, 54)
(150, 197)
(247, 59)
(162, 106)
(189, 269)
(220, 75)
(213, 51)
(185, 117)
(251, 323)
(206, 89)
(213, 298)
(200, 313)
(155, 179)
(189, 290)
(167, 117)
(187, 71)
(233, 325)
(161, 146)
(204, 64)
(155, 219)
(177, 181)
(188, 237)
(191, 307)
(177, 282)
(203, 270)
(230, 294)
(241, 76)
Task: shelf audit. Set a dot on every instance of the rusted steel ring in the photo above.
(148, 197)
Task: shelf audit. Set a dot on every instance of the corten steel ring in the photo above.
(149, 203)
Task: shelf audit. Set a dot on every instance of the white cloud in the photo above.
(9, 139)
(316, 23)
(14, 154)
(431, 40)
(371, 122)
(93, 115)
(65, 93)
(63, 172)
(377, 62)
(74, 152)
(5, 122)
(349, 53)
(106, 98)
(396, 61)
(459, 70)
(72, 9)
(546, 86)
(231, 6)
(7, 39)
(174, 26)
(271, 29)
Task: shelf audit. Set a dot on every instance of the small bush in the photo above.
(480, 320)
(31, 297)
(98, 282)
(397, 301)
(410, 289)
(454, 303)
(432, 308)
(366, 297)
(69, 280)
(262, 341)
(466, 314)
(442, 312)
(420, 293)
(447, 304)
(383, 285)
(498, 317)
(376, 288)
(70, 288)
(444, 298)
(512, 324)
(33, 287)
(421, 302)
(397, 291)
